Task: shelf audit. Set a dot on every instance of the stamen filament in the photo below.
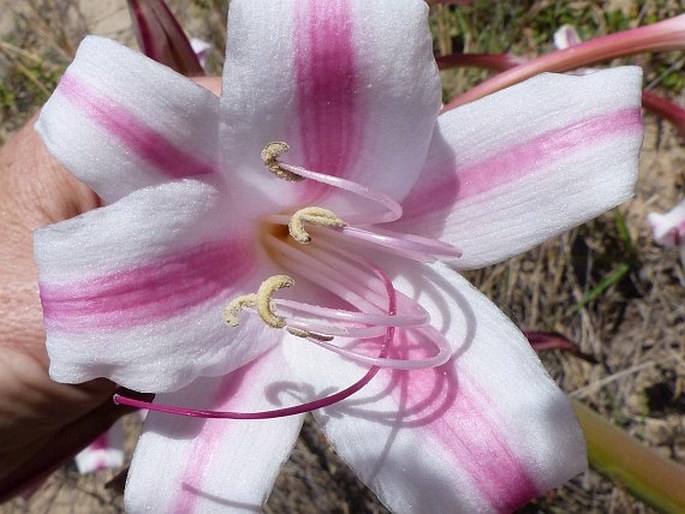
(322, 261)
(401, 244)
(321, 273)
(361, 318)
(280, 168)
(441, 357)
(286, 411)
(375, 243)
(346, 264)
(394, 208)
(350, 266)
(305, 327)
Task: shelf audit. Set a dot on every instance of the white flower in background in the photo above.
(105, 452)
(201, 49)
(668, 229)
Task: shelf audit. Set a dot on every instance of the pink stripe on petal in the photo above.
(228, 396)
(466, 429)
(461, 181)
(330, 124)
(152, 292)
(148, 144)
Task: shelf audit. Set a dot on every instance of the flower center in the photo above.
(286, 411)
(334, 254)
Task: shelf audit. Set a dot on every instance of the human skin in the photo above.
(42, 423)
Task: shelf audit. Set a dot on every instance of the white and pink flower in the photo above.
(451, 411)
(668, 229)
(105, 452)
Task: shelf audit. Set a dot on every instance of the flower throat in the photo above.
(379, 308)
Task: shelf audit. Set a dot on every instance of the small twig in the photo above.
(12, 48)
(591, 388)
(29, 75)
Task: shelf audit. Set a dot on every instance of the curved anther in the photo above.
(232, 310)
(270, 155)
(316, 216)
(265, 294)
(306, 334)
(261, 301)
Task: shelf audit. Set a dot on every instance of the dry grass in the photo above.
(635, 329)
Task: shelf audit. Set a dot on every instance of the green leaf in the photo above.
(612, 278)
(656, 480)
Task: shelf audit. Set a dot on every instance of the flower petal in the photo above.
(135, 291)
(524, 164)
(120, 121)
(105, 452)
(351, 85)
(217, 465)
(668, 229)
(486, 432)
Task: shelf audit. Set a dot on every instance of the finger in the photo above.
(54, 451)
(213, 84)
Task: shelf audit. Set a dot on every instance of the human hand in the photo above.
(42, 423)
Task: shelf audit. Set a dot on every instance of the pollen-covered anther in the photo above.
(233, 309)
(261, 301)
(306, 334)
(270, 155)
(316, 216)
(264, 295)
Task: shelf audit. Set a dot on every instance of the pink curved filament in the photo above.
(441, 357)
(285, 411)
(393, 209)
(405, 245)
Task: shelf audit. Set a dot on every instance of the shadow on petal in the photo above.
(221, 501)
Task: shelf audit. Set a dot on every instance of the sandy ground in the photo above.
(105, 17)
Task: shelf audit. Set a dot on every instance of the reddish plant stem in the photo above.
(659, 37)
(651, 101)
(161, 37)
